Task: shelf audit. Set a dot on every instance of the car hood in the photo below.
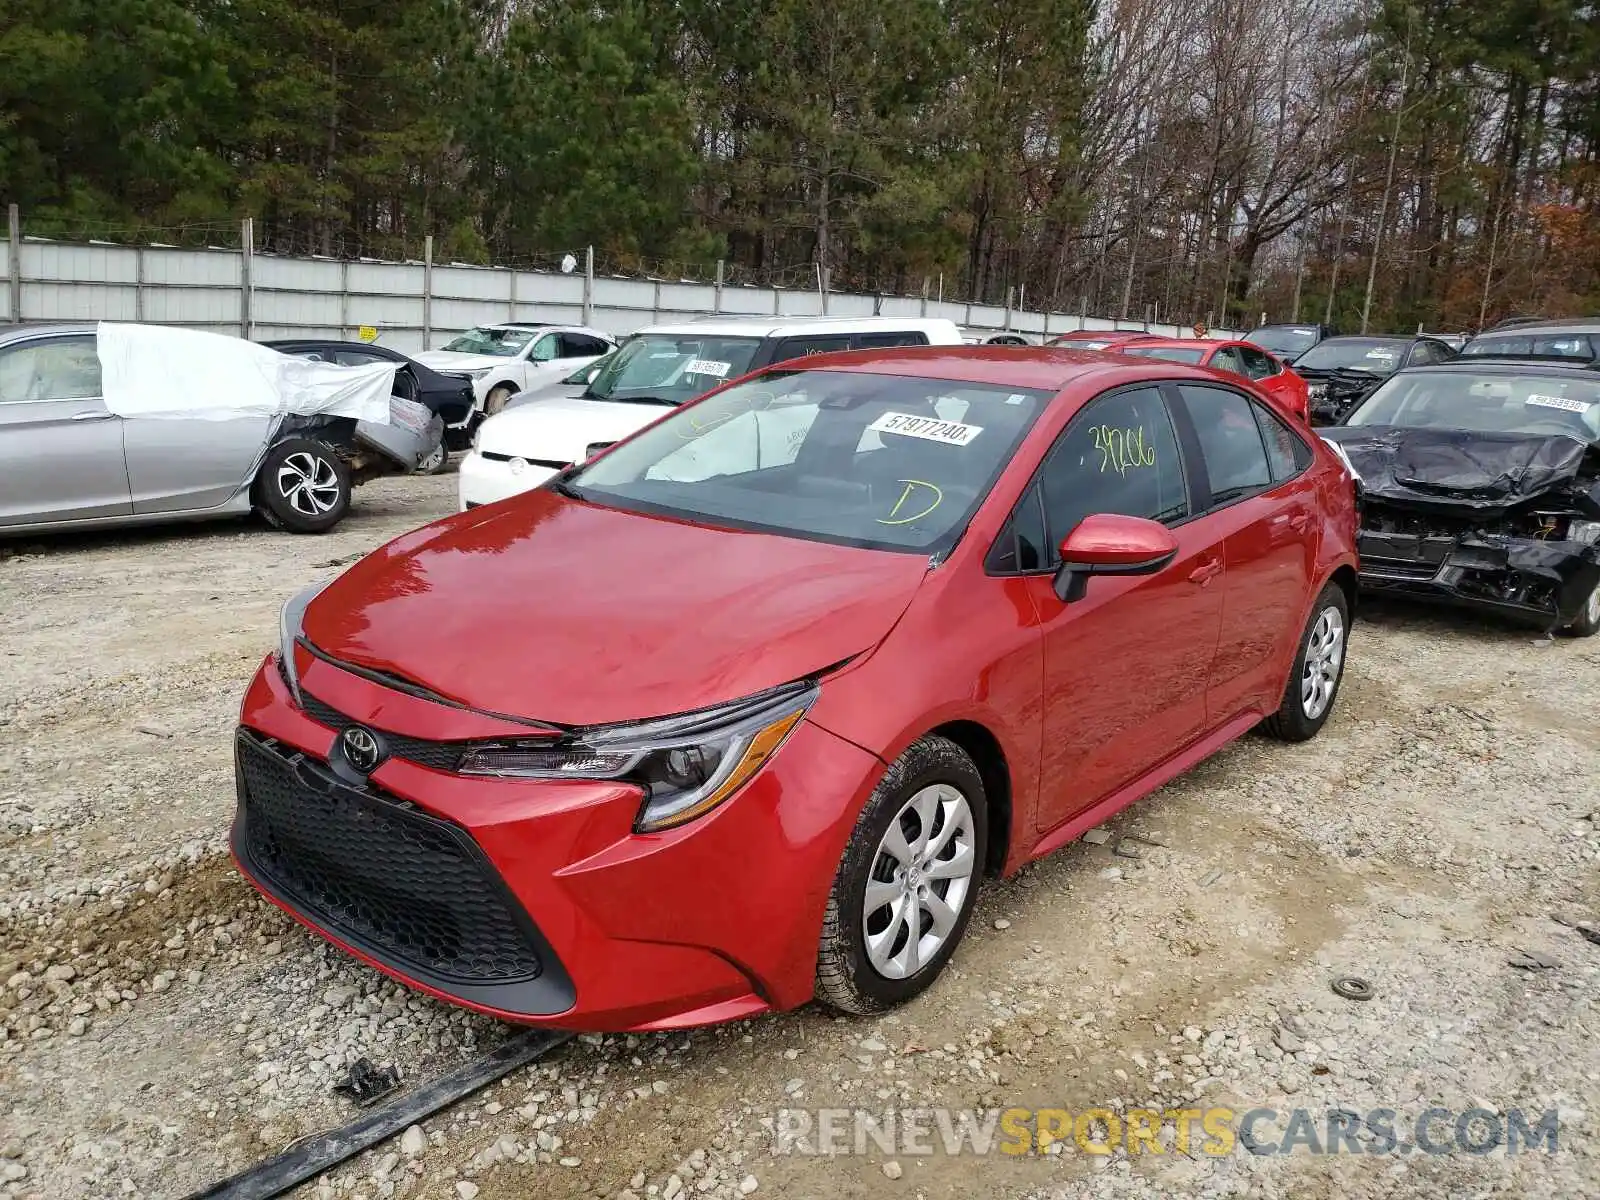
(560, 429)
(1445, 470)
(561, 611)
(450, 360)
(546, 391)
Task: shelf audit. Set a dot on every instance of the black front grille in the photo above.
(441, 756)
(388, 877)
(532, 462)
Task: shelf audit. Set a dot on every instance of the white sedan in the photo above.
(502, 360)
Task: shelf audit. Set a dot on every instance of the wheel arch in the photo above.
(980, 744)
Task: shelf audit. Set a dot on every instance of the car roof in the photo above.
(790, 326)
(546, 327)
(1040, 368)
(1091, 334)
(1371, 337)
(14, 333)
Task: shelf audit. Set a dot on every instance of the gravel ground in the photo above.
(160, 1027)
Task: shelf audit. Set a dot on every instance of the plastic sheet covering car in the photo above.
(150, 371)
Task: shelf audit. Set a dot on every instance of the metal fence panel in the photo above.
(319, 297)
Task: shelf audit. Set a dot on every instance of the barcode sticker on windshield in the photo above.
(707, 366)
(952, 433)
(1561, 402)
(1381, 352)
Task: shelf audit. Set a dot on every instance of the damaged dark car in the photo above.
(1480, 487)
(1340, 371)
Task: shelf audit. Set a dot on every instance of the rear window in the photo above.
(1575, 347)
(1180, 354)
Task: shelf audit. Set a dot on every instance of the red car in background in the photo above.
(1095, 339)
(741, 711)
(1270, 373)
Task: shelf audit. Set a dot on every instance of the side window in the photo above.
(59, 369)
(581, 345)
(1287, 455)
(546, 348)
(1021, 544)
(800, 347)
(1119, 455)
(876, 341)
(357, 358)
(1230, 441)
(1227, 359)
(1256, 364)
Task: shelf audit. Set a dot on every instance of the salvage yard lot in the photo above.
(162, 1026)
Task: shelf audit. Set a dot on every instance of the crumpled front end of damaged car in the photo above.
(1500, 522)
(1525, 565)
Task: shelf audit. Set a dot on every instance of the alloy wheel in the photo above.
(1324, 656)
(920, 878)
(308, 483)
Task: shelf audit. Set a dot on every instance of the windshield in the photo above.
(502, 343)
(586, 373)
(882, 461)
(1283, 339)
(672, 368)
(1181, 354)
(1502, 402)
(1375, 356)
(1574, 346)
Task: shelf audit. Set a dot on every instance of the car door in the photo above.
(1126, 668)
(1261, 507)
(60, 447)
(1272, 378)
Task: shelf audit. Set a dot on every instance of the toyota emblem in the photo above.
(361, 749)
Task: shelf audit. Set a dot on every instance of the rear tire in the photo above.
(1318, 670)
(919, 847)
(1587, 623)
(303, 486)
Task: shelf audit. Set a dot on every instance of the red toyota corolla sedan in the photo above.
(740, 712)
(1269, 372)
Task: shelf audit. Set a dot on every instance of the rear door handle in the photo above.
(1205, 571)
(92, 415)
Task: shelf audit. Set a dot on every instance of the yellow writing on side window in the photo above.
(1123, 450)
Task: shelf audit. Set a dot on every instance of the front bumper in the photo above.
(484, 480)
(535, 901)
(1542, 583)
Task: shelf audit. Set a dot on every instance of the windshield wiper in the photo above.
(616, 399)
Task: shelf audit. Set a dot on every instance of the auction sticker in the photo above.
(707, 366)
(1561, 402)
(952, 433)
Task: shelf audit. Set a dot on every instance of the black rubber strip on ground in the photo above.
(308, 1159)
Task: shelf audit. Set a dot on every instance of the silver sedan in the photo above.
(67, 462)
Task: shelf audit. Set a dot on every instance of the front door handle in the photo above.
(1204, 573)
(92, 414)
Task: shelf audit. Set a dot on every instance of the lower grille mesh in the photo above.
(411, 887)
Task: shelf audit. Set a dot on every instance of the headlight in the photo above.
(289, 619)
(1587, 532)
(687, 765)
(477, 372)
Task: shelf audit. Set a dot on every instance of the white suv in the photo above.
(502, 360)
(657, 369)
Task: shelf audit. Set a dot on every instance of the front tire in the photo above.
(1587, 623)
(1318, 670)
(908, 882)
(495, 401)
(435, 463)
(303, 486)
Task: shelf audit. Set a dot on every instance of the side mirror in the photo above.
(1108, 544)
